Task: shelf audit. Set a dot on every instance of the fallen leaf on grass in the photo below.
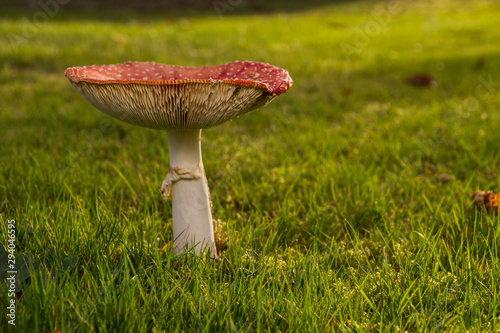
(346, 91)
(486, 200)
(165, 248)
(445, 178)
(421, 81)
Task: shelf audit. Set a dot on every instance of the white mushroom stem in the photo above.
(191, 211)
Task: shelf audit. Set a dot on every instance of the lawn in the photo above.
(344, 205)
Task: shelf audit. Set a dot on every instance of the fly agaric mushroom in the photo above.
(182, 101)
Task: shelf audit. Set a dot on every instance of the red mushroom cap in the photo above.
(247, 73)
(163, 96)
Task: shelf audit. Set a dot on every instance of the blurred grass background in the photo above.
(344, 204)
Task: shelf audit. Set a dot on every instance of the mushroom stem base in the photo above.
(191, 206)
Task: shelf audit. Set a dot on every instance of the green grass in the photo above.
(329, 199)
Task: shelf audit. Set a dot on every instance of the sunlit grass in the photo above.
(331, 200)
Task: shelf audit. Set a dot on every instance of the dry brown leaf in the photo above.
(445, 178)
(487, 200)
(422, 81)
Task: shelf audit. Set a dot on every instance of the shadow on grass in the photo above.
(119, 11)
